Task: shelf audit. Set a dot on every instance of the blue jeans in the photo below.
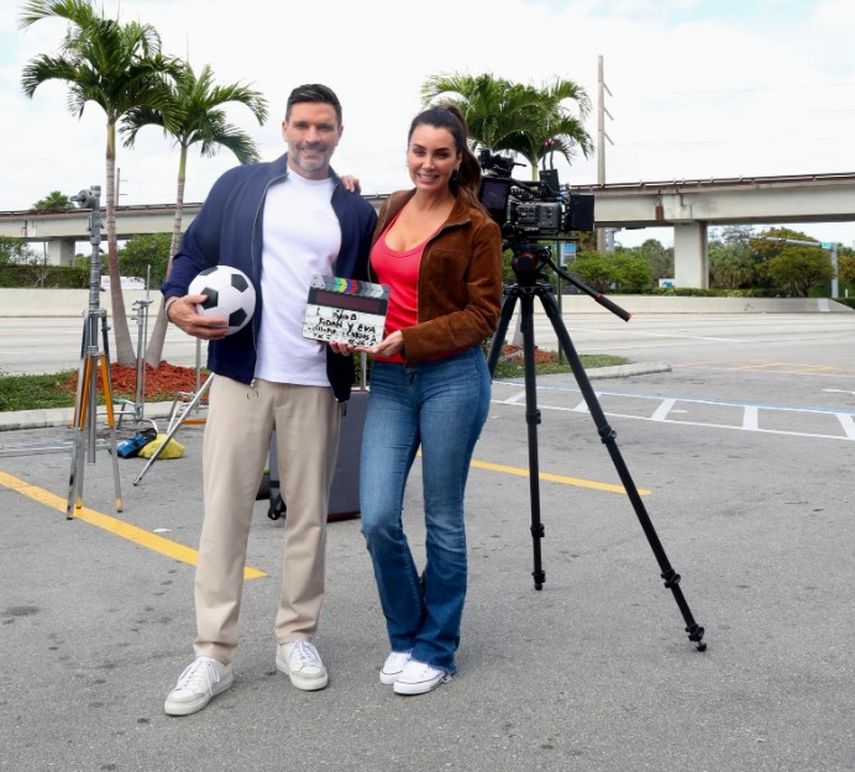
(441, 406)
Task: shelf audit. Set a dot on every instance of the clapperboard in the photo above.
(345, 310)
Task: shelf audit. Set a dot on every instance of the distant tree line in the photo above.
(740, 264)
(145, 256)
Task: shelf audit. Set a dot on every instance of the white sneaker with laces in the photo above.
(418, 678)
(202, 679)
(394, 666)
(300, 661)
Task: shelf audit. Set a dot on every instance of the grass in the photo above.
(34, 392)
(515, 368)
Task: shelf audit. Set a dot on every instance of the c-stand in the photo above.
(92, 363)
(528, 261)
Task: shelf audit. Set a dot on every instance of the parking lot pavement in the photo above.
(594, 672)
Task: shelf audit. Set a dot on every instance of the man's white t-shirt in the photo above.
(302, 237)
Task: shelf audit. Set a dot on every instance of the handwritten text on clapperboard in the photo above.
(345, 310)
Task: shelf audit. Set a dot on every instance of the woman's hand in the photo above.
(350, 183)
(390, 345)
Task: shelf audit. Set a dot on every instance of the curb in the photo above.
(64, 416)
(624, 371)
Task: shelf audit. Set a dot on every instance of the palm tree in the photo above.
(524, 119)
(493, 107)
(191, 115)
(52, 202)
(116, 66)
(553, 127)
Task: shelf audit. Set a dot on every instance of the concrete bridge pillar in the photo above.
(60, 251)
(691, 262)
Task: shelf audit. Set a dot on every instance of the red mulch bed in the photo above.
(540, 356)
(162, 383)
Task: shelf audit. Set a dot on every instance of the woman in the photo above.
(440, 253)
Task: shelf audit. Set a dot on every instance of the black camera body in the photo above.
(531, 210)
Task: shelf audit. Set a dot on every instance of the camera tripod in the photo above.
(93, 362)
(528, 260)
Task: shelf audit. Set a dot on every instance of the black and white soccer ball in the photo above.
(228, 293)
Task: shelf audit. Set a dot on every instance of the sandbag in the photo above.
(174, 449)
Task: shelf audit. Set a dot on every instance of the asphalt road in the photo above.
(743, 456)
(49, 344)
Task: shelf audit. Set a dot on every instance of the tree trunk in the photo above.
(124, 353)
(154, 350)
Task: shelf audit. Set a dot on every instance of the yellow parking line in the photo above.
(558, 478)
(115, 526)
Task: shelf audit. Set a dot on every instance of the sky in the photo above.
(698, 90)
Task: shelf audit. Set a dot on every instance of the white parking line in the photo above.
(848, 424)
(661, 412)
(751, 413)
(751, 419)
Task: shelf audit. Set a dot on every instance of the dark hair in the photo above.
(467, 181)
(313, 92)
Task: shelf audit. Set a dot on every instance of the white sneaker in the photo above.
(418, 678)
(300, 661)
(202, 679)
(393, 666)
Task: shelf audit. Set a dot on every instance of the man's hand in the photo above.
(340, 347)
(182, 313)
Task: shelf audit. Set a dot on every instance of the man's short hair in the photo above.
(313, 92)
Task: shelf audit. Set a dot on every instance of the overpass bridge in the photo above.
(690, 207)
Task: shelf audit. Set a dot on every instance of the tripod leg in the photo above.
(608, 435)
(532, 419)
(78, 445)
(502, 329)
(512, 293)
(107, 384)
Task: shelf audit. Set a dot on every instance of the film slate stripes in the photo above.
(345, 310)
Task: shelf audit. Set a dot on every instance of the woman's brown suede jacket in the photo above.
(460, 281)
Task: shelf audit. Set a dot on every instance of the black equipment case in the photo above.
(344, 494)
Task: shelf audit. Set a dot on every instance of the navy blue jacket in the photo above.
(228, 231)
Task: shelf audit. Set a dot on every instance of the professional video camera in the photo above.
(534, 210)
(531, 211)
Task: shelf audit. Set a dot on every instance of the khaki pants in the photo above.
(236, 445)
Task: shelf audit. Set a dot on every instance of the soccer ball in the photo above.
(228, 293)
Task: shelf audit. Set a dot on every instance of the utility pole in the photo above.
(602, 137)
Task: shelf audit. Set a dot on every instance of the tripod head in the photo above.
(528, 259)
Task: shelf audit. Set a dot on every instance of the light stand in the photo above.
(528, 261)
(178, 415)
(138, 405)
(92, 363)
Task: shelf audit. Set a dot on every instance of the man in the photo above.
(279, 222)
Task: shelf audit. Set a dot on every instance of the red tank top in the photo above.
(400, 270)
